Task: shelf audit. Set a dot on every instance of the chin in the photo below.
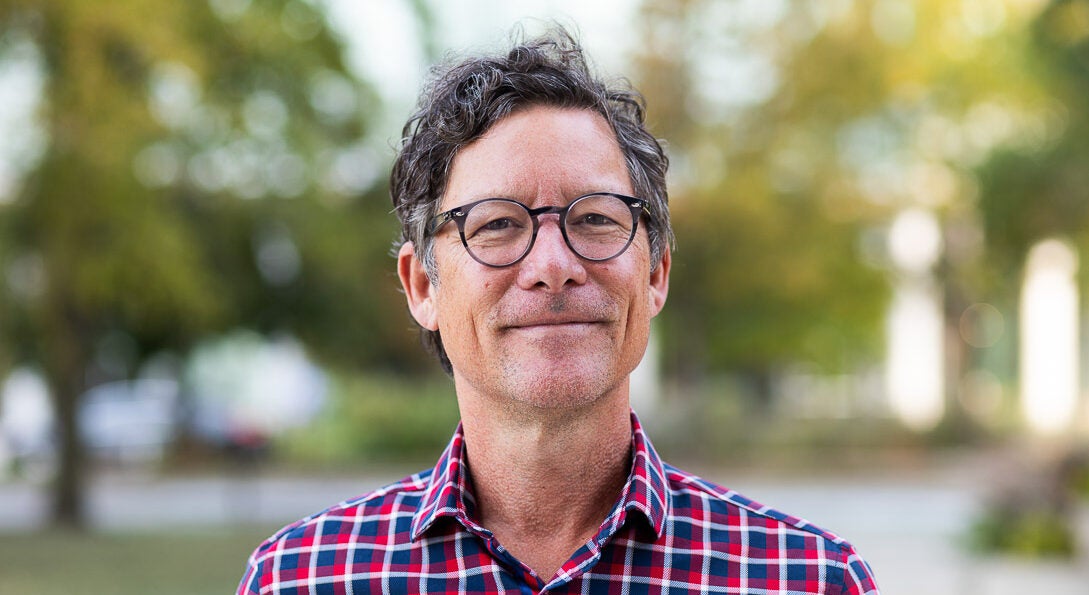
(564, 387)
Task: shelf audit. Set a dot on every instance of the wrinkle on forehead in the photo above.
(538, 165)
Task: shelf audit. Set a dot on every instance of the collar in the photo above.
(449, 491)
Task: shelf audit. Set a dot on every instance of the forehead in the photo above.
(540, 154)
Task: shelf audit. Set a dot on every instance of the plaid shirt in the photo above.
(670, 532)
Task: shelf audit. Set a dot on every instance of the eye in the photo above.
(496, 229)
(498, 224)
(496, 219)
(594, 219)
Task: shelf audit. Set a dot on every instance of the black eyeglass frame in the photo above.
(459, 215)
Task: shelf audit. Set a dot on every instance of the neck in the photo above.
(545, 480)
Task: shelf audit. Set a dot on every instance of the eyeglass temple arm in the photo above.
(439, 220)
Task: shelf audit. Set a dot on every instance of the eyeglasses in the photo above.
(499, 232)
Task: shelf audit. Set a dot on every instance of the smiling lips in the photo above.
(566, 322)
(562, 311)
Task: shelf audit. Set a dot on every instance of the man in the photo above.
(536, 251)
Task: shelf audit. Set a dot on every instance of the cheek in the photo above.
(639, 311)
(464, 298)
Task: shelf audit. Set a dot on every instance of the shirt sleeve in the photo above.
(858, 576)
(251, 580)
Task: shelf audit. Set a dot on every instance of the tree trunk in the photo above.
(69, 484)
(761, 381)
(66, 357)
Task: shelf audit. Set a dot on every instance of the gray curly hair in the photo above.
(462, 101)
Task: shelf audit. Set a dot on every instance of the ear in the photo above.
(659, 283)
(419, 292)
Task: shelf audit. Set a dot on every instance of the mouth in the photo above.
(553, 324)
(561, 314)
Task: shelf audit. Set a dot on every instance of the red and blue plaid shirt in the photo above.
(670, 532)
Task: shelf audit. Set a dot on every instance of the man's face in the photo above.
(553, 330)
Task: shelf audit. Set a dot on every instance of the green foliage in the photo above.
(1036, 517)
(1074, 473)
(206, 169)
(378, 418)
(797, 135)
(722, 424)
(769, 220)
(1029, 198)
(1023, 531)
(1080, 484)
(195, 181)
(1028, 194)
(771, 283)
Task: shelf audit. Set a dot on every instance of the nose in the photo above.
(550, 264)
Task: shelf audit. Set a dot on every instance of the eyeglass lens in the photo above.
(498, 232)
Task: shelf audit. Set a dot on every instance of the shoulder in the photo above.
(690, 491)
(396, 500)
(754, 531)
(382, 511)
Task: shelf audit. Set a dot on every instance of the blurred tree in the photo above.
(768, 270)
(799, 130)
(1034, 191)
(204, 169)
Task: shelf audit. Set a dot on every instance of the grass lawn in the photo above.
(187, 563)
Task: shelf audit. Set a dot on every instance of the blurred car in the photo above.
(130, 421)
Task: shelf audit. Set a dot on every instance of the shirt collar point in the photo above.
(652, 498)
(442, 496)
